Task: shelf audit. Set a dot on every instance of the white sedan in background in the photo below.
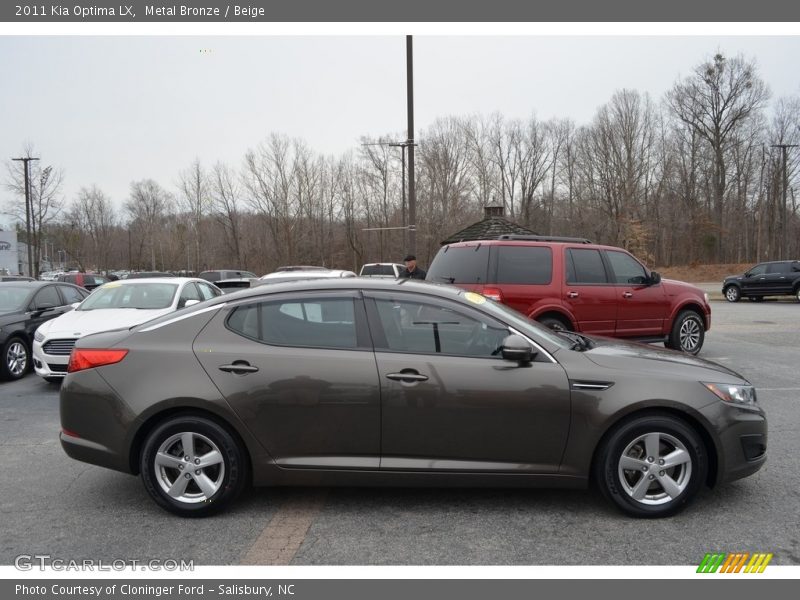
(116, 304)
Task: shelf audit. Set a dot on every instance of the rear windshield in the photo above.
(377, 270)
(460, 264)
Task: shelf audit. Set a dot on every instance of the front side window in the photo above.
(207, 292)
(71, 294)
(757, 270)
(47, 298)
(626, 268)
(419, 327)
(315, 323)
(585, 266)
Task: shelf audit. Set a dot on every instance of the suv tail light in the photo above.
(493, 293)
(89, 358)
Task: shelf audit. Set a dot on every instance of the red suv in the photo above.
(569, 283)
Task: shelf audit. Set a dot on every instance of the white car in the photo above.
(299, 274)
(385, 270)
(116, 304)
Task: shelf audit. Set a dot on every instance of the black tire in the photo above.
(619, 485)
(54, 380)
(688, 332)
(797, 293)
(732, 293)
(555, 323)
(16, 359)
(229, 476)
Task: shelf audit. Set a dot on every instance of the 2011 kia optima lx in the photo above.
(380, 382)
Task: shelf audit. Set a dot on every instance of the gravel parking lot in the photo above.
(53, 505)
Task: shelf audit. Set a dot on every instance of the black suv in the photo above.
(778, 278)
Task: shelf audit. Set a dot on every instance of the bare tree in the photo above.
(146, 206)
(195, 200)
(718, 98)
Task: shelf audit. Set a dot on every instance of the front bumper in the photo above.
(47, 365)
(741, 440)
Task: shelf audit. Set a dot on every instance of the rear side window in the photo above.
(585, 266)
(211, 276)
(783, 267)
(462, 264)
(524, 265)
(315, 323)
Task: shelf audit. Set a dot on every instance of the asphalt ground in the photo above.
(50, 504)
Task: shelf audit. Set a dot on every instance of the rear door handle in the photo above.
(240, 368)
(627, 294)
(573, 294)
(407, 376)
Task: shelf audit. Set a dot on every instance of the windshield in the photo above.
(142, 296)
(12, 298)
(523, 323)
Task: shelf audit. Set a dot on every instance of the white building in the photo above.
(10, 253)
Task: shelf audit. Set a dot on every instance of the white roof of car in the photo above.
(178, 280)
(308, 274)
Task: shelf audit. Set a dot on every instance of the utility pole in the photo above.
(412, 195)
(25, 160)
(784, 188)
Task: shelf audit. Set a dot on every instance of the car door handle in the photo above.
(572, 294)
(627, 294)
(239, 368)
(408, 376)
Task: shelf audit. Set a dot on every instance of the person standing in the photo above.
(412, 271)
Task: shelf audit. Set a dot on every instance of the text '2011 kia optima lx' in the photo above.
(380, 382)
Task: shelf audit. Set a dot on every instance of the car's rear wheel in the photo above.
(797, 293)
(651, 466)
(16, 359)
(688, 333)
(732, 293)
(555, 323)
(192, 466)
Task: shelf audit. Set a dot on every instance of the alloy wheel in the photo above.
(732, 294)
(189, 467)
(655, 468)
(16, 358)
(689, 334)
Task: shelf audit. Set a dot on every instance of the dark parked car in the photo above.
(778, 278)
(88, 281)
(568, 283)
(215, 276)
(24, 306)
(350, 381)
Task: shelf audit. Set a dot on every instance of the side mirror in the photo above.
(655, 277)
(191, 303)
(748, 274)
(517, 349)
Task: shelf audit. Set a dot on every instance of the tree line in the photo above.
(706, 174)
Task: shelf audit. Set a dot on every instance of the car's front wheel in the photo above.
(192, 466)
(688, 332)
(16, 359)
(732, 293)
(651, 466)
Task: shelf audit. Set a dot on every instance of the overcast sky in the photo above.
(111, 110)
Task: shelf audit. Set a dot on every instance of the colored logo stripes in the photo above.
(734, 563)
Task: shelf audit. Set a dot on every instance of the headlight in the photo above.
(735, 394)
(705, 295)
(38, 336)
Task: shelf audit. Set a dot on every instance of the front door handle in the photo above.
(407, 376)
(572, 294)
(627, 294)
(239, 367)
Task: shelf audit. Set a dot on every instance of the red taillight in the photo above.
(69, 433)
(89, 358)
(493, 293)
